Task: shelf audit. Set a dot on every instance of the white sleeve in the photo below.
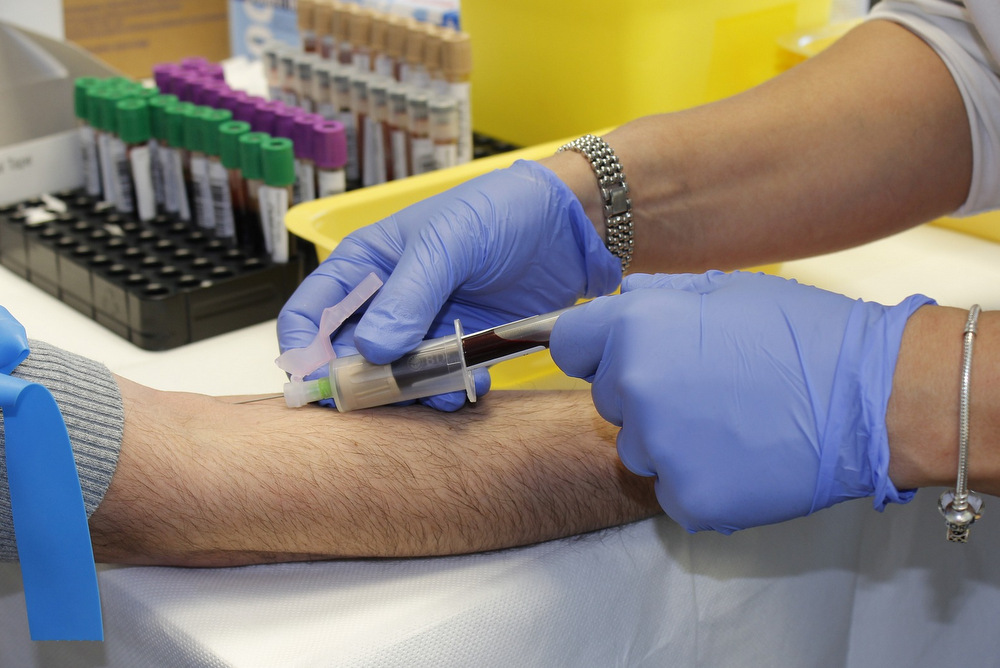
(962, 36)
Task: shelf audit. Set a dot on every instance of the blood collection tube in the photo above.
(246, 107)
(306, 14)
(229, 155)
(272, 70)
(193, 63)
(323, 89)
(158, 129)
(377, 157)
(378, 44)
(421, 147)
(395, 44)
(250, 235)
(229, 99)
(136, 182)
(223, 218)
(214, 71)
(263, 116)
(304, 189)
(212, 93)
(284, 122)
(359, 110)
(201, 189)
(322, 24)
(456, 63)
(288, 95)
(304, 82)
(275, 195)
(443, 112)
(399, 133)
(105, 99)
(345, 114)
(177, 176)
(124, 194)
(433, 47)
(342, 12)
(163, 75)
(360, 30)
(88, 138)
(330, 155)
(414, 72)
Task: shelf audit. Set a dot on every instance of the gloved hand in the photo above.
(752, 399)
(503, 246)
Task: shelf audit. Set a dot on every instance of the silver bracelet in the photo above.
(614, 193)
(962, 506)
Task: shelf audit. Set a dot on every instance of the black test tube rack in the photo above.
(159, 284)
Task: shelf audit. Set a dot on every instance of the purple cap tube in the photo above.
(263, 115)
(163, 75)
(194, 63)
(230, 99)
(246, 108)
(214, 71)
(284, 121)
(329, 144)
(212, 92)
(302, 137)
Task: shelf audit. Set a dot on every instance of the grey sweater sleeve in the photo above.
(91, 405)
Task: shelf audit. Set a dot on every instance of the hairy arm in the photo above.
(866, 139)
(205, 482)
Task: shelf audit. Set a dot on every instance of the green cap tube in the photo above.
(176, 116)
(107, 115)
(146, 93)
(229, 142)
(193, 121)
(251, 162)
(157, 114)
(211, 121)
(133, 121)
(279, 162)
(81, 86)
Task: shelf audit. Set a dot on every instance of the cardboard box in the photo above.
(134, 35)
(39, 147)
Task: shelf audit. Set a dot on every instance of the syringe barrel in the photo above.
(435, 367)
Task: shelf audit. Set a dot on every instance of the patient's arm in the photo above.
(205, 482)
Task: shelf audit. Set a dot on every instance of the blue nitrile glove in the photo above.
(753, 399)
(509, 244)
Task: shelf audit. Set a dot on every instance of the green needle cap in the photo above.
(81, 88)
(158, 114)
(251, 161)
(133, 121)
(176, 119)
(279, 162)
(211, 121)
(229, 142)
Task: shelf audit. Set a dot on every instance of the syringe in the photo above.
(434, 367)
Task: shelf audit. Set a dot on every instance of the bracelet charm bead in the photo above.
(618, 236)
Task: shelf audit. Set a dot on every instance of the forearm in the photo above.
(204, 482)
(922, 417)
(866, 139)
